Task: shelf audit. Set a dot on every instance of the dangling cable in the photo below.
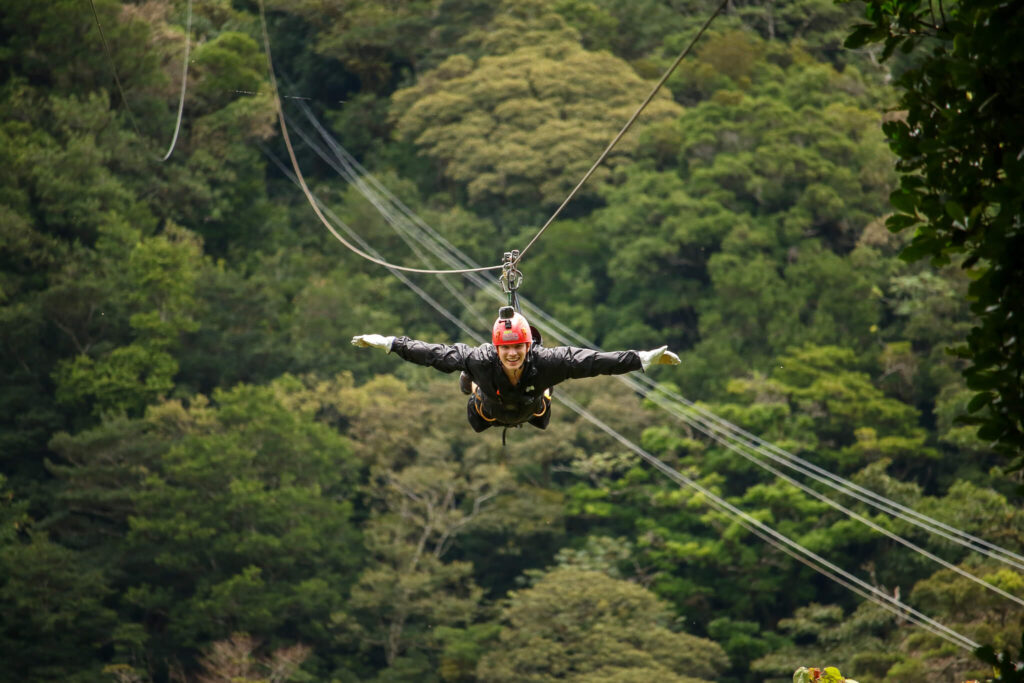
(120, 89)
(184, 81)
(302, 180)
(343, 167)
(397, 273)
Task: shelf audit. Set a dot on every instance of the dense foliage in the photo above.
(200, 479)
(962, 180)
(960, 189)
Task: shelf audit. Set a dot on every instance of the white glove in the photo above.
(377, 341)
(659, 356)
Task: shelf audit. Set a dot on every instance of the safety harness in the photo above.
(479, 408)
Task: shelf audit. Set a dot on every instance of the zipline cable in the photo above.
(629, 124)
(769, 535)
(305, 188)
(355, 236)
(838, 506)
(852, 489)
(725, 429)
(870, 592)
(846, 487)
(346, 171)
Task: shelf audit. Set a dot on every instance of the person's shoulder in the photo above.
(482, 352)
(548, 353)
(552, 349)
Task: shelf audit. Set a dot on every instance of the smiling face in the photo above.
(512, 356)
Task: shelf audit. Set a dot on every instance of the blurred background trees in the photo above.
(200, 478)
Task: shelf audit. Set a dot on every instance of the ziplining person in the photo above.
(509, 381)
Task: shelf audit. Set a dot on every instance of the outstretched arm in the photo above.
(570, 362)
(444, 357)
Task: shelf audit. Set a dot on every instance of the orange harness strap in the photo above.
(544, 409)
(545, 401)
(476, 406)
(479, 411)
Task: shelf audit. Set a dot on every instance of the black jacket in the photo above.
(544, 368)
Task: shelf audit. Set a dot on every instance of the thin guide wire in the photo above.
(305, 188)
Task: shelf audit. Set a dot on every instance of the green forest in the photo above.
(202, 479)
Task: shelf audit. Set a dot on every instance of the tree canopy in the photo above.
(201, 479)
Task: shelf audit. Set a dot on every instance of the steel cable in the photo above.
(305, 188)
(625, 128)
(720, 430)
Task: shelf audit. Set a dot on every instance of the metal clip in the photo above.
(511, 278)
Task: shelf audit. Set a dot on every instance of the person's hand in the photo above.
(376, 341)
(659, 356)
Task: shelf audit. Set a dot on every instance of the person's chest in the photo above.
(523, 392)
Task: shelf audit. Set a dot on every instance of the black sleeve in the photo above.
(441, 356)
(570, 362)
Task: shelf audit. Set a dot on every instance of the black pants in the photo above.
(479, 423)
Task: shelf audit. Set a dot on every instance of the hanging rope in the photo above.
(629, 124)
(120, 89)
(398, 274)
(184, 81)
(344, 167)
(305, 188)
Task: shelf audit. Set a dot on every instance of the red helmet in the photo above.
(514, 330)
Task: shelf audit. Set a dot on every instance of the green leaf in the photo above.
(979, 402)
(991, 431)
(864, 34)
(956, 212)
(900, 221)
(891, 44)
(917, 250)
(904, 201)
